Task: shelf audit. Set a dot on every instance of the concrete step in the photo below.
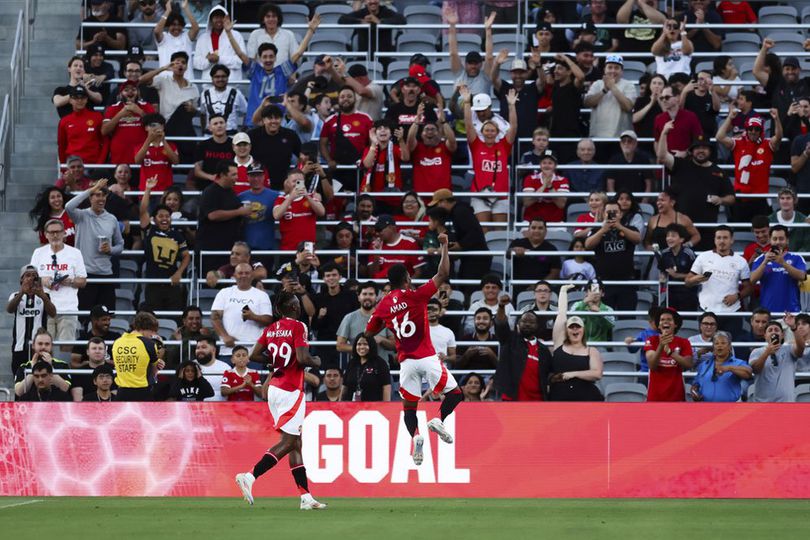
(34, 175)
(53, 8)
(39, 132)
(53, 47)
(12, 218)
(23, 190)
(19, 202)
(27, 159)
(22, 144)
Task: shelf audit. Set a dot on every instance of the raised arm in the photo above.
(776, 138)
(662, 150)
(760, 70)
(558, 333)
(495, 70)
(443, 272)
(488, 41)
(722, 132)
(314, 22)
(228, 24)
(144, 205)
(466, 98)
(452, 40)
(161, 24)
(511, 133)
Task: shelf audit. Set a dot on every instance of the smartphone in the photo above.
(611, 214)
(776, 251)
(299, 184)
(774, 339)
(707, 274)
(309, 246)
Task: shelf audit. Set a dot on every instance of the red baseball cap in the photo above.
(754, 121)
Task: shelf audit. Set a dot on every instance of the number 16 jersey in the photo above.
(404, 312)
(281, 339)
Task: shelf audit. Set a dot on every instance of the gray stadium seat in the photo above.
(475, 297)
(633, 70)
(119, 325)
(424, 14)
(329, 41)
(741, 42)
(689, 328)
(787, 42)
(625, 393)
(624, 328)
(742, 239)
(458, 296)
(330, 13)
(802, 393)
(206, 298)
(575, 210)
(166, 327)
(466, 43)
(414, 42)
(497, 240)
(786, 15)
(397, 70)
(294, 13)
(508, 41)
(645, 300)
(124, 300)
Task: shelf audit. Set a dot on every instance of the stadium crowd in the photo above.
(181, 133)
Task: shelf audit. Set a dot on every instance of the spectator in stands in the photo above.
(701, 186)
(31, 307)
(781, 274)
(583, 54)
(432, 154)
(132, 71)
(189, 384)
(122, 178)
(656, 229)
(333, 384)
(212, 151)
(355, 322)
(745, 103)
(611, 100)
(575, 367)
(725, 279)
(176, 38)
(101, 71)
(605, 39)
(736, 12)
(260, 230)
(205, 354)
(443, 339)
(220, 99)
(100, 318)
(50, 204)
(758, 322)
(540, 138)
(240, 383)
(799, 153)
(95, 356)
(166, 254)
(98, 237)
(534, 266)
(590, 178)
(627, 179)
(797, 121)
(411, 208)
(753, 155)
(382, 160)
(344, 137)
(271, 20)
(41, 351)
(403, 113)
(524, 361)
(297, 211)
(631, 211)
(787, 215)
(643, 336)
(719, 377)
(596, 328)
(479, 357)
(367, 377)
(372, 15)
(370, 96)
(577, 267)
(490, 158)
(545, 180)
(148, 11)
(707, 328)
(110, 37)
(566, 97)
(240, 253)
(79, 132)
(102, 381)
(785, 85)
(274, 146)
(668, 356)
(304, 268)
(475, 71)
(390, 239)
(44, 387)
(475, 388)
(156, 155)
(676, 261)
(215, 46)
(220, 216)
(123, 123)
(774, 365)
(78, 77)
(300, 117)
(528, 91)
(240, 312)
(647, 106)
(74, 177)
(323, 80)
(596, 210)
(332, 304)
(178, 99)
(491, 288)
(541, 304)
(191, 329)
(673, 49)
(700, 97)
(704, 39)
(242, 147)
(685, 124)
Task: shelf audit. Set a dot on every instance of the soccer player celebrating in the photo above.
(404, 312)
(285, 342)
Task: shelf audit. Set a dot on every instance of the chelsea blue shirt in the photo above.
(779, 292)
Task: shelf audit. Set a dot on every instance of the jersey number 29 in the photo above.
(284, 352)
(405, 329)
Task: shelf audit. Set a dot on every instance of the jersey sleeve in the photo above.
(300, 335)
(745, 271)
(262, 338)
(375, 323)
(651, 343)
(686, 348)
(228, 379)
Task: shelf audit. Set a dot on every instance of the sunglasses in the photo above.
(664, 98)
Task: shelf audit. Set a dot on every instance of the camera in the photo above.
(774, 339)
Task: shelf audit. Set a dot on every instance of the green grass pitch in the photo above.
(387, 519)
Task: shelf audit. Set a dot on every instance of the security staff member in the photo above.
(134, 354)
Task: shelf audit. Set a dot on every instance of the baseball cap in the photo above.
(136, 52)
(754, 121)
(481, 102)
(440, 195)
(418, 72)
(358, 70)
(95, 48)
(241, 137)
(384, 221)
(587, 28)
(78, 92)
(614, 59)
(410, 80)
(629, 133)
(127, 83)
(574, 320)
(548, 154)
(473, 57)
(791, 61)
(255, 168)
(518, 65)
(320, 59)
(27, 268)
(420, 59)
(542, 26)
(98, 311)
(287, 270)
(700, 140)
(97, 2)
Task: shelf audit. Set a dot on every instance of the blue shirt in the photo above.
(260, 228)
(643, 336)
(779, 292)
(585, 180)
(725, 388)
(263, 84)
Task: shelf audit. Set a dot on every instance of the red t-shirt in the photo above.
(355, 127)
(585, 218)
(79, 134)
(231, 379)
(242, 183)
(156, 163)
(736, 13)
(410, 261)
(687, 128)
(529, 385)
(431, 167)
(297, 224)
(70, 230)
(752, 165)
(752, 248)
(281, 339)
(491, 166)
(378, 175)
(412, 231)
(129, 134)
(544, 208)
(404, 312)
(666, 382)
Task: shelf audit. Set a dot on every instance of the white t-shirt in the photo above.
(734, 89)
(171, 45)
(442, 338)
(230, 302)
(674, 62)
(69, 261)
(727, 272)
(607, 117)
(284, 40)
(372, 106)
(217, 369)
(172, 96)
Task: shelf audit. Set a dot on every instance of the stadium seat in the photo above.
(625, 393)
(787, 42)
(329, 41)
(397, 69)
(457, 296)
(775, 183)
(802, 393)
(294, 13)
(742, 239)
(443, 75)
(785, 15)
(508, 41)
(573, 298)
(416, 42)
(119, 325)
(375, 69)
(330, 13)
(466, 43)
(167, 325)
(559, 239)
(741, 42)
(424, 14)
(689, 328)
(706, 65)
(805, 11)
(575, 210)
(124, 300)
(497, 240)
(625, 328)
(645, 300)
(647, 211)
(475, 297)
(633, 70)
(206, 298)
(619, 361)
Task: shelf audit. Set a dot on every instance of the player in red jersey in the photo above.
(285, 342)
(404, 312)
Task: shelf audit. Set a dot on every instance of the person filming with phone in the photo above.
(779, 272)
(297, 211)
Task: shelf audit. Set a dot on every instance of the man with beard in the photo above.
(404, 113)
(524, 361)
(344, 136)
(206, 355)
(785, 87)
(701, 185)
(528, 91)
(443, 339)
(100, 318)
(190, 329)
(123, 123)
(356, 321)
(478, 357)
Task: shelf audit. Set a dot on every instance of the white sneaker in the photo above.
(245, 483)
(309, 503)
(437, 427)
(418, 442)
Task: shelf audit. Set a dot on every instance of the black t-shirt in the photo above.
(275, 152)
(614, 256)
(66, 109)
(526, 106)
(218, 235)
(86, 33)
(369, 377)
(567, 101)
(56, 363)
(196, 390)
(84, 335)
(466, 228)
(403, 116)
(93, 397)
(644, 128)
(783, 93)
(108, 71)
(164, 251)
(632, 180)
(53, 394)
(694, 184)
(534, 266)
(210, 152)
(702, 107)
(337, 307)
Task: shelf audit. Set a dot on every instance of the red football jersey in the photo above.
(404, 312)
(410, 261)
(281, 339)
(666, 383)
(129, 134)
(156, 163)
(231, 379)
(752, 165)
(242, 183)
(297, 224)
(355, 127)
(431, 167)
(491, 166)
(544, 207)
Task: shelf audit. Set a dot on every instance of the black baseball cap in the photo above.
(473, 57)
(78, 92)
(587, 28)
(420, 59)
(384, 221)
(95, 48)
(320, 59)
(791, 61)
(700, 140)
(255, 168)
(98, 311)
(410, 80)
(548, 154)
(542, 25)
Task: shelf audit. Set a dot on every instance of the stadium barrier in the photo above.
(363, 450)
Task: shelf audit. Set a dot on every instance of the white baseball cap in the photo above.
(241, 138)
(481, 102)
(518, 65)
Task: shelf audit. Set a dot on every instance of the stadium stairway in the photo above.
(33, 162)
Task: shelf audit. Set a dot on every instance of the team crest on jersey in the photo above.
(306, 203)
(355, 123)
(438, 150)
(90, 123)
(760, 151)
(395, 300)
